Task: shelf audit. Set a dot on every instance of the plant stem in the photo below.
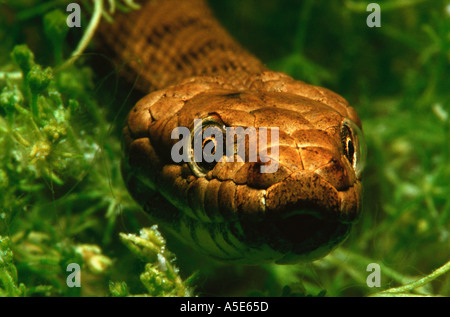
(419, 283)
(87, 36)
(34, 106)
(11, 75)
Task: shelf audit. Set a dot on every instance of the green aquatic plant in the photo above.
(160, 277)
(63, 200)
(54, 134)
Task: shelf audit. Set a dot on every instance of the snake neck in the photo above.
(170, 40)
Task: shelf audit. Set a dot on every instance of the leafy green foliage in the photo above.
(8, 272)
(62, 192)
(160, 277)
(62, 199)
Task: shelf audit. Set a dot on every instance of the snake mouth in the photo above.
(304, 220)
(300, 235)
(308, 234)
(307, 193)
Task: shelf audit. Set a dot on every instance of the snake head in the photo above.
(230, 209)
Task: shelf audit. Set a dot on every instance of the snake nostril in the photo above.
(333, 161)
(236, 95)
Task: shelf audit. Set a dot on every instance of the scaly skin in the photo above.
(195, 70)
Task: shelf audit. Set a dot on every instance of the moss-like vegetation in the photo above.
(62, 199)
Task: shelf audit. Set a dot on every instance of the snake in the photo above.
(187, 67)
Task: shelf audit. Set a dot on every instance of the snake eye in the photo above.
(353, 145)
(207, 145)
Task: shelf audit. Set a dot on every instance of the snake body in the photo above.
(190, 68)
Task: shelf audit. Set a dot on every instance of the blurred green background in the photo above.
(62, 199)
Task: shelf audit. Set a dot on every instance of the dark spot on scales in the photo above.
(236, 95)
